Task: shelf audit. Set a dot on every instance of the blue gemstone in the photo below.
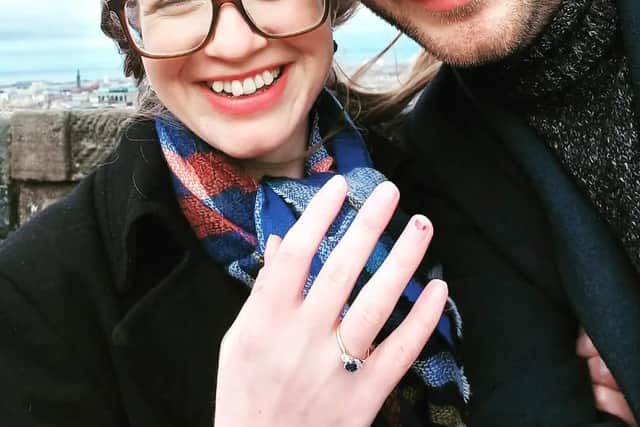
(351, 366)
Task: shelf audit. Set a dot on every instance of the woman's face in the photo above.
(267, 124)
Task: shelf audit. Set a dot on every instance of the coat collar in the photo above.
(176, 303)
(139, 203)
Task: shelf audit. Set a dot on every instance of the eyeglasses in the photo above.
(172, 28)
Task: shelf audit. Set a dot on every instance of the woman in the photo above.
(155, 257)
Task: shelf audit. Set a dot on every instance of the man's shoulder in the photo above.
(441, 110)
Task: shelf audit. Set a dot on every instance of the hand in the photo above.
(606, 391)
(280, 362)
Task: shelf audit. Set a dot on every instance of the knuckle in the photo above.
(336, 273)
(370, 316)
(370, 222)
(598, 370)
(404, 355)
(293, 250)
(402, 261)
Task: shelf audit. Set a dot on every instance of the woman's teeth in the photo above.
(247, 86)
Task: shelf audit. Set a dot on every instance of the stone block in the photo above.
(34, 197)
(40, 146)
(5, 199)
(93, 136)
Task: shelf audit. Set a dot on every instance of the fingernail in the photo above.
(438, 285)
(388, 190)
(603, 367)
(421, 223)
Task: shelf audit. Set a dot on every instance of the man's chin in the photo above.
(488, 31)
(485, 37)
(466, 55)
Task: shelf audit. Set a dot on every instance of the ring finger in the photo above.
(375, 302)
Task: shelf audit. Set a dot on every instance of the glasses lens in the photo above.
(283, 17)
(168, 27)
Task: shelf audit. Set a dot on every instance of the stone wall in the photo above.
(43, 154)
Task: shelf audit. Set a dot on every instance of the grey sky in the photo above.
(80, 18)
(59, 18)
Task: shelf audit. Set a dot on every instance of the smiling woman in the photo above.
(239, 245)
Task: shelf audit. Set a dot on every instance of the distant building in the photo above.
(117, 96)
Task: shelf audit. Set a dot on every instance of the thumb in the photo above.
(271, 248)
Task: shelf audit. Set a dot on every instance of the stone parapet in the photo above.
(92, 137)
(6, 213)
(40, 146)
(43, 154)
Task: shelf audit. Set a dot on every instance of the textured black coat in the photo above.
(526, 257)
(111, 313)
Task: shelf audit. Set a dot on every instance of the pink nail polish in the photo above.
(421, 224)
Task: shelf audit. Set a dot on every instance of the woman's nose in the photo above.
(233, 38)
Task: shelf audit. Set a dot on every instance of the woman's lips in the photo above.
(261, 100)
(440, 6)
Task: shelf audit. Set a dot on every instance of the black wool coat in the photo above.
(526, 256)
(111, 312)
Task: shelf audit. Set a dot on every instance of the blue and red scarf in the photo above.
(233, 215)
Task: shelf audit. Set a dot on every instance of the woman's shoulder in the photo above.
(58, 252)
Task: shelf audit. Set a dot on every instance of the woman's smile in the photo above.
(247, 93)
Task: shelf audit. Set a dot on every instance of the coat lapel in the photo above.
(471, 169)
(176, 303)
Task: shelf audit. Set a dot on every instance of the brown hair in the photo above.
(371, 108)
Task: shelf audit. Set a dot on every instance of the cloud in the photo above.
(45, 18)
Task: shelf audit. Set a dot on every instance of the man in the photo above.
(525, 153)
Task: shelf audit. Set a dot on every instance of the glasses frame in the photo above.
(117, 6)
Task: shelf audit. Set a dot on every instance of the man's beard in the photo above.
(527, 22)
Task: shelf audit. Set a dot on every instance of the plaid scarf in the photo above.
(233, 215)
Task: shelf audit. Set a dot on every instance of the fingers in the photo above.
(598, 370)
(584, 346)
(600, 373)
(394, 356)
(374, 304)
(338, 275)
(614, 403)
(289, 267)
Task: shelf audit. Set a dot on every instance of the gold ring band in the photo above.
(350, 363)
